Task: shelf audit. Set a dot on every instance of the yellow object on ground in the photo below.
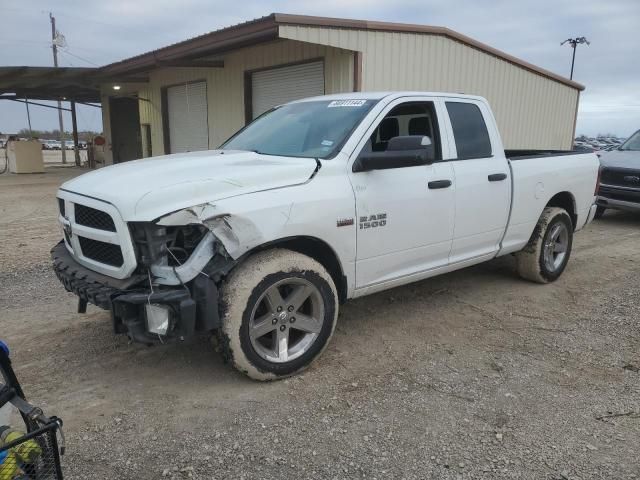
(26, 452)
(9, 469)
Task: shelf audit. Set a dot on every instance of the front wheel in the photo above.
(279, 311)
(546, 255)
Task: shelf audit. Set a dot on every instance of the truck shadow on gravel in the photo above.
(620, 218)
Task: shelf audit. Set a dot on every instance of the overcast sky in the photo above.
(100, 32)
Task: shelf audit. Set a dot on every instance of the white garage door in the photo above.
(187, 115)
(281, 85)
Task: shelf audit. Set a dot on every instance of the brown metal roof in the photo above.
(48, 83)
(56, 83)
(244, 34)
(266, 28)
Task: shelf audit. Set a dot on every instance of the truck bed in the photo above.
(527, 154)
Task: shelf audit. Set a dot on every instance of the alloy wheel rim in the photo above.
(286, 320)
(556, 247)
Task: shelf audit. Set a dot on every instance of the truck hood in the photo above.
(143, 190)
(621, 159)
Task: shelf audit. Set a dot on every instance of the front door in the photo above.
(483, 184)
(404, 226)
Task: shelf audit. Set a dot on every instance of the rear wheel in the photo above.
(546, 255)
(279, 311)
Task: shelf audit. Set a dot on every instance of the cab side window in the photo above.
(413, 118)
(469, 130)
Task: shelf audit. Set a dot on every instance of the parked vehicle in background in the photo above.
(583, 147)
(620, 177)
(610, 148)
(315, 202)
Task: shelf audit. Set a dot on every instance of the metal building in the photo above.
(194, 94)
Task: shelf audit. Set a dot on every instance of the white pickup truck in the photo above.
(315, 202)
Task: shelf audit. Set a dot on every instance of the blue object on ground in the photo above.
(3, 346)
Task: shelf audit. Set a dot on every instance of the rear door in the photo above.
(482, 178)
(404, 215)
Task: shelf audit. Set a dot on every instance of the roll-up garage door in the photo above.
(281, 85)
(187, 117)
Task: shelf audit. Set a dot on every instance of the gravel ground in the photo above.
(474, 374)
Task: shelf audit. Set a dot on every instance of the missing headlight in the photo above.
(172, 246)
(157, 318)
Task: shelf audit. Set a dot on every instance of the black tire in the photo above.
(536, 262)
(246, 297)
(599, 212)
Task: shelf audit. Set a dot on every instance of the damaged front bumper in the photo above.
(148, 315)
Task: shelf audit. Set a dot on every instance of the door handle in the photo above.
(439, 184)
(497, 177)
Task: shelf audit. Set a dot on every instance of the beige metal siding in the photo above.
(225, 86)
(532, 111)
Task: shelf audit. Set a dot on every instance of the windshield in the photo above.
(315, 129)
(632, 143)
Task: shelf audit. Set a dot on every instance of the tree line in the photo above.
(84, 135)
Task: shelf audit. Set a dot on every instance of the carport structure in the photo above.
(75, 85)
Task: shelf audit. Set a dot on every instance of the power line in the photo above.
(67, 52)
(98, 22)
(18, 41)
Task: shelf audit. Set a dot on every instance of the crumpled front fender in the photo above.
(235, 232)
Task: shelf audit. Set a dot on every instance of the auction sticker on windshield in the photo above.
(346, 103)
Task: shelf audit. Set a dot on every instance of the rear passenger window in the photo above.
(469, 130)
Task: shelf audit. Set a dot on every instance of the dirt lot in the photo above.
(474, 374)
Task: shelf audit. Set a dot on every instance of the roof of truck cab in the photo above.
(387, 95)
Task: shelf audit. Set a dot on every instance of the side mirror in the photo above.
(404, 151)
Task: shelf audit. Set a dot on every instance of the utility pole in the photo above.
(54, 47)
(26, 102)
(74, 123)
(574, 42)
